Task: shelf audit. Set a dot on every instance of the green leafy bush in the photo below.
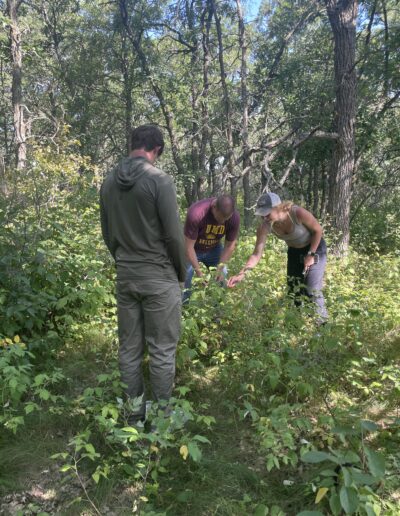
(53, 265)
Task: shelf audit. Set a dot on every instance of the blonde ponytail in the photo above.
(285, 206)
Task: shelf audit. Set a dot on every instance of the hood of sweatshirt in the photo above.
(129, 171)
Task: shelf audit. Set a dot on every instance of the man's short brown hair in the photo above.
(147, 137)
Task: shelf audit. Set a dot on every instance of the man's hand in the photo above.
(220, 276)
(234, 280)
(199, 273)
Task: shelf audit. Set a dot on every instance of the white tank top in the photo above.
(299, 237)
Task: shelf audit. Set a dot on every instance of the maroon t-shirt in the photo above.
(201, 226)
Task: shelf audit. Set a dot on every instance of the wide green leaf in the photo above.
(261, 510)
(376, 463)
(369, 425)
(335, 505)
(349, 499)
(194, 451)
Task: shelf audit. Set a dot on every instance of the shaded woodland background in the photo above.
(302, 99)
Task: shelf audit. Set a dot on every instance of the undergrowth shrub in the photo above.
(307, 390)
(23, 389)
(54, 270)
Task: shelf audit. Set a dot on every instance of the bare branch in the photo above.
(179, 39)
(288, 168)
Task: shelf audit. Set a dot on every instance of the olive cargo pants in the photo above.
(149, 311)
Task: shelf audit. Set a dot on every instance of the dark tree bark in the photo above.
(194, 136)
(324, 193)
(128, 83)
(5, 116)
(206, 19)
(3, 181)
(226, 101)
(315, 190)
(245, 116)
(20, 126)
(386, 80)
(343, 16)
(309, 188)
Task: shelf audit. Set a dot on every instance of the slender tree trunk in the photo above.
(195, 137)
(342, 16)
(300, 178)
(205, 119)
(265, 172)
(16, 88)
(226, 101)
(386, 54)
(213, 172)
(245, 116)
(309, 188)
(5, 115)
(315, 191)
(125, 68)
(324, 196)
(3, 181)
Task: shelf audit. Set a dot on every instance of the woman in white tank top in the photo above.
(306, 248)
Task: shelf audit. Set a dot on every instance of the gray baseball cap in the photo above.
(266, 202)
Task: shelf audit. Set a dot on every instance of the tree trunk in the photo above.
(16, 88)
(386, 80)
(5, 112)
(197, 178)
(205, 118)
(300, 178)
(245, 116)
(3, 181)
(324, 196)
(342, 16)
(227, 104)
(265, 172)
(125, 69)
(309, 188)
(213, 172)
(315, 191)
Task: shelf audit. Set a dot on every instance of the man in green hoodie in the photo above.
(142, 230)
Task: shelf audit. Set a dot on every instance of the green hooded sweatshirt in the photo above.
(140, 221)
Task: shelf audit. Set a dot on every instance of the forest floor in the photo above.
(230, 476)
(263, 385)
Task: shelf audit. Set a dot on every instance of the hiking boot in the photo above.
(136, 422)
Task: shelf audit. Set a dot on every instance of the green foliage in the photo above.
(22, 391)
(293, 383)
(52, 276)
(293, 392)
(111, 448)
(378, 229)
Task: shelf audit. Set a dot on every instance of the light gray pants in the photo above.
(149, 311)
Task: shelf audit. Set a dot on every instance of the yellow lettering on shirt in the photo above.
(217, 230)
(211, 231)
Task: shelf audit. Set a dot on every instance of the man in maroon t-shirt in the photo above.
(207, 222)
